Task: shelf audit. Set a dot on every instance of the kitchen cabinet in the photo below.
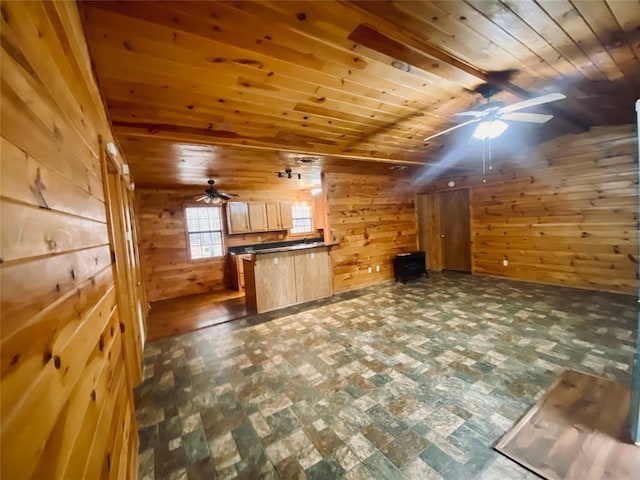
(243, 217)
(238, 217)
(286, 220)
(257, 217)
(273, 216)
(313, 274)
(277, 279)
(235, 272)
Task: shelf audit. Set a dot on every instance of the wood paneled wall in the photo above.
(67, 406)
(373, 218)
(564, 213)
(168, 272)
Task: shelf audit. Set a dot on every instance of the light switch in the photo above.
(313, 255)
(275, 261)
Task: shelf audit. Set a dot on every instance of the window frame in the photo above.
(188, 236)
(294, 218)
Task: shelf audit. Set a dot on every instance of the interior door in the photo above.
(455, 230)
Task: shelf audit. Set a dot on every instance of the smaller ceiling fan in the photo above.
(212, 195)
(490, 116)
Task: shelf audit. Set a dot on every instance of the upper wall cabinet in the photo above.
(279, 216)
(243, 217)
(286, 221)
(257, 217)
(238, 217)
(273, 216)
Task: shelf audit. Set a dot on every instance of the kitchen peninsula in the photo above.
(284, 276)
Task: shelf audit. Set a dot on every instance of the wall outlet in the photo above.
(369, 270)
(377, 268)
(505, 263)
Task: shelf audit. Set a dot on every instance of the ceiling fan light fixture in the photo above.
(490, 129)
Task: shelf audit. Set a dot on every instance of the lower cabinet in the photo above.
(270, 281)
(276, 280)
(313, 275)
(234, 273)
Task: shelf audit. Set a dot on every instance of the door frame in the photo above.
(129, 289)
(433, 230)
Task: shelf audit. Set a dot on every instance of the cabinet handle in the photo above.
(441, 236)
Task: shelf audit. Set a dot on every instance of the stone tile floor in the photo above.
(414, 381)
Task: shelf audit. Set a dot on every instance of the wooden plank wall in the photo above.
(564, 213)
(373, 218)
(168, 273)
(67, 406)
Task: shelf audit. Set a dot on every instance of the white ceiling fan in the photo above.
(491, 116)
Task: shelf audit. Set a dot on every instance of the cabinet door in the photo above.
(275, 282)
(313, 274)
(319, 209)
(286, 221)
(237, 217)
(273, 217)
(257, 217)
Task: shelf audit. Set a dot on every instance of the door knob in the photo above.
(441, 236)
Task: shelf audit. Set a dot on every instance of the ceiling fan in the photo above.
(212, 195)
(491, 116)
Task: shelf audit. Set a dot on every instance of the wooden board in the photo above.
(373, 218)
(313, 274)
(273, 281)
(577, 430)
(67, 401)
(364, 81)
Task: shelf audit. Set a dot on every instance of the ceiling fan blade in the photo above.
(526, 117)
(201, 198)
(470, 113)
(551, 97)
(223, 196)
(451, 129)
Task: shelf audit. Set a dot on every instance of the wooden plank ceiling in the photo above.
(240, 90)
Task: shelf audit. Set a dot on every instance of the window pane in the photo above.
(302, 220)
(196, 252)
(204, 232)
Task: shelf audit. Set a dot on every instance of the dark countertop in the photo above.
(267, 246)
(290, 248)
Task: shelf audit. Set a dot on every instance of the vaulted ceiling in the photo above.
(239, 90)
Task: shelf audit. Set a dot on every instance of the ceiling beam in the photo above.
(208, 137)
(421, 55)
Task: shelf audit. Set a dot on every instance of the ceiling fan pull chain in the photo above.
(484, 170)
(490, 164)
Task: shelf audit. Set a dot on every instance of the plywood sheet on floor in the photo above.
(577, 430)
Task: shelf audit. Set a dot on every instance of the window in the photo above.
(204, 232)
(301, 216)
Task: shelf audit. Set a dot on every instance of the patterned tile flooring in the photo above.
(414, 381)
